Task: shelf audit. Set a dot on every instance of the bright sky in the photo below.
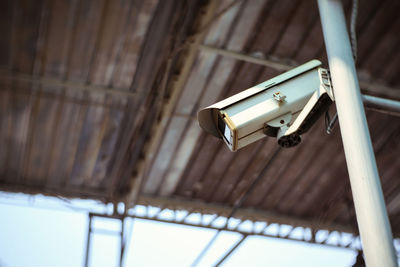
(43, 231)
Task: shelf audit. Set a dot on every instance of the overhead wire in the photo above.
(353, 24)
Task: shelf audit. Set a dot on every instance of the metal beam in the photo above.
(387, 104)
(368, 85)
(231, 251)
(183, 204)
(89, 233)
(247, 58)
(121, 234)
(304, 235)
(189, 54)
(69, 85)
(241, 213)
(122, 243)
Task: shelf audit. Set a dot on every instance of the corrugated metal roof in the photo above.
(91, 102)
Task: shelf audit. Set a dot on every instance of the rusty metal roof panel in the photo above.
(67, 123)
(85, 86)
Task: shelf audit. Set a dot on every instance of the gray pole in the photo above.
(372, 218)
(230, 251)
(89, 232)
(122, 242)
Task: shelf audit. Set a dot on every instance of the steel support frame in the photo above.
(313, 235)
(91, 231)
(329, 238)
(231, 250)
(372, 218)
(310, 235)
(6, 74)
(195, 206)
(88, 239)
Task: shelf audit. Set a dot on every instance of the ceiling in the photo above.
(99, 100)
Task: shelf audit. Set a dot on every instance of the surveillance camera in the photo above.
(284, 107)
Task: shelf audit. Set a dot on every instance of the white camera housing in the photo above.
(285, 107)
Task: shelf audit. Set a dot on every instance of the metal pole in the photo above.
(366, 188)
(89, 232)
(231, 251)
(122, 243)
(386, 104)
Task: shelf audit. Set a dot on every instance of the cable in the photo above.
(237, 205)
(353, 35)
